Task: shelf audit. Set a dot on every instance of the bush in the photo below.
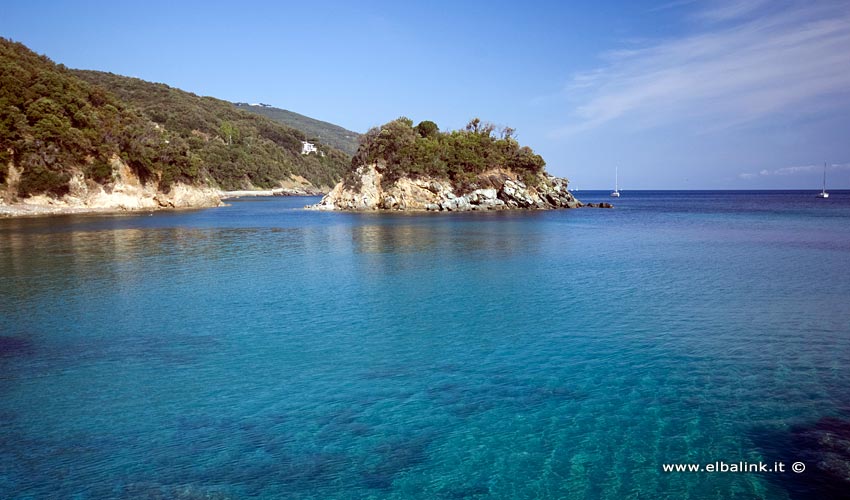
(99, 171)
(39, 179)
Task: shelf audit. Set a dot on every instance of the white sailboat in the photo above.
(823, 193)
(616, 193)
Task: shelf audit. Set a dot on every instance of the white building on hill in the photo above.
(308, 147)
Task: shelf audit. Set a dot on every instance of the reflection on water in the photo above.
(482, 234)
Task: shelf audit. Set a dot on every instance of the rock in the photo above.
(185, 196)
(457, 204)
(516, 192)
(496, 189)
(389, 203)
(485, 194)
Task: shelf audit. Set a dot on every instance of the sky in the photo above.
(676, 94)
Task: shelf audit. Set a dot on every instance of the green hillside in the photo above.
(54, 125)
(238, 148)
(327, 133)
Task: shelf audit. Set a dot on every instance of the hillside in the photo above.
(402, 167)
(327, 133)
(239, 149)
(85, 134)
(54, 126)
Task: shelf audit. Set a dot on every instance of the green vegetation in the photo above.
(56, 122)
(53, 124)
(400, 149)
(316, 130)
(237, 149)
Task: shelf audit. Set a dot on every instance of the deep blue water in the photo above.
(263, 351)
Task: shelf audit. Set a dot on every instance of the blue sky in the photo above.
(681, 94)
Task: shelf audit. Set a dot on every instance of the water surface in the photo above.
(263, 351)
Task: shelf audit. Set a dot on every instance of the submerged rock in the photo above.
(822, 446)
(14, 346)
(826, 445)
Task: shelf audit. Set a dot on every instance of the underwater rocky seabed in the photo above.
(261, 350)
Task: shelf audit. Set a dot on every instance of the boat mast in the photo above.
(824, 177)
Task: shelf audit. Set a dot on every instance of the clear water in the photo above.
(263, 351)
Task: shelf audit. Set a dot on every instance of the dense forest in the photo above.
(402, 149)
(55, 122)
(316, 130)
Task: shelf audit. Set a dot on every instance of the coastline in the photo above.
(245, 193)
(123, 198)
(25, 210)
(43, 206)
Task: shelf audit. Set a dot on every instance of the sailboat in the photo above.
(616, 193)
(823, 193)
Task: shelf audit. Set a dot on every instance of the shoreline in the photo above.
(247, 193)
(27, 210)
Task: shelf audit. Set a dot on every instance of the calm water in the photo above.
(263, 351)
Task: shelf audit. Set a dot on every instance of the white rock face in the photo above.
(501, 189)
(368, 197)
(126, 193)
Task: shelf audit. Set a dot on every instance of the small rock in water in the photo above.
(13, 346)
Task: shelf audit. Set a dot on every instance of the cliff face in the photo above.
(497, 189)
(126, 192)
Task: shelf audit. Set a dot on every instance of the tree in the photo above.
(428, 129)
(228, 131)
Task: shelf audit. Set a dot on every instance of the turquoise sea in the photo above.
(263, 351)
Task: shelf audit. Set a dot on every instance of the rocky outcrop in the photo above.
(125, 193)
(496, 189)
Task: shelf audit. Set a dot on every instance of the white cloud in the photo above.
(741, 66)
(726, 10)
(795, 170)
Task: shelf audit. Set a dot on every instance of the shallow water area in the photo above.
(263, 351)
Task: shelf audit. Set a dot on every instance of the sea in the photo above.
(260, 350)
